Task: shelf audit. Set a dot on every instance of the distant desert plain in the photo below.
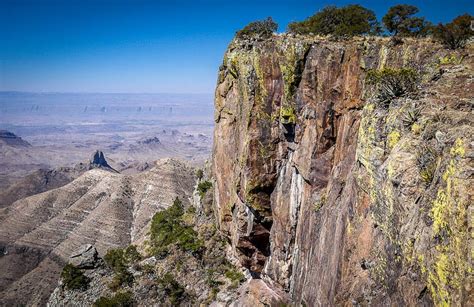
(51, 130)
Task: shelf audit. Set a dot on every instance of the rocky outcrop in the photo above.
(97, 160)
(10, 139)
(335, 197)
(39, 233)
(153, 141)
(97, 286)
(86, 257)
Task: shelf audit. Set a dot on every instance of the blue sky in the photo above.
(143, 46)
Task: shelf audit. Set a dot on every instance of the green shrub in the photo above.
(392, 83)
(131, 254)
(118, 260)
(167, 228)
(191, 210)
(455, 34)
(73, 278)
(400, 21)
(174, 291)
(114, 259)
(347, 21)
(411, 116)
(426, 160)
(147, 268)
(212, 278)
(199, 174)
(235, 275)
(121, 277)
(203, 187)
(261, 28)
(121, 299)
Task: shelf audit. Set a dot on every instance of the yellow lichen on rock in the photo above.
(450, 59)
(448, 273)
(287, 115)
(393, 138)
(366, 145)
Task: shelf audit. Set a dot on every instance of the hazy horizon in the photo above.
(64, 129)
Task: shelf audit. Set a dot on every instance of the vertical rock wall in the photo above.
(320, 190)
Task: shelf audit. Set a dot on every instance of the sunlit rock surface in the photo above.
(321, 190)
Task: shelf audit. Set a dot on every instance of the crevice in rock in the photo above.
(260, 219)
(422, 293)
(289, 132)
(255, 246)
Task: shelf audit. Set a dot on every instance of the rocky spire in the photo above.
(97, 160)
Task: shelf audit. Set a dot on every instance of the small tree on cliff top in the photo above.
(261, 28)
(400, 21)
(346, 21)
(455, 34)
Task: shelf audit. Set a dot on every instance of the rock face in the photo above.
(39, 233)
(334, 197)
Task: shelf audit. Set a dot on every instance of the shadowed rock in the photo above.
(98, 161)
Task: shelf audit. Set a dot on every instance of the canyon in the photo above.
(318, 192)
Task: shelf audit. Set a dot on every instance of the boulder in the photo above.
(86, 257)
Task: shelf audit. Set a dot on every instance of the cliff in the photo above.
(333, 197)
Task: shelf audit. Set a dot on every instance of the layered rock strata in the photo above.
(108, 210)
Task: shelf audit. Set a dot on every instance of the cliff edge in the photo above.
(337, 197)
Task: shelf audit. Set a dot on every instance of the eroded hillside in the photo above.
(106, 209)
(335, 195)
